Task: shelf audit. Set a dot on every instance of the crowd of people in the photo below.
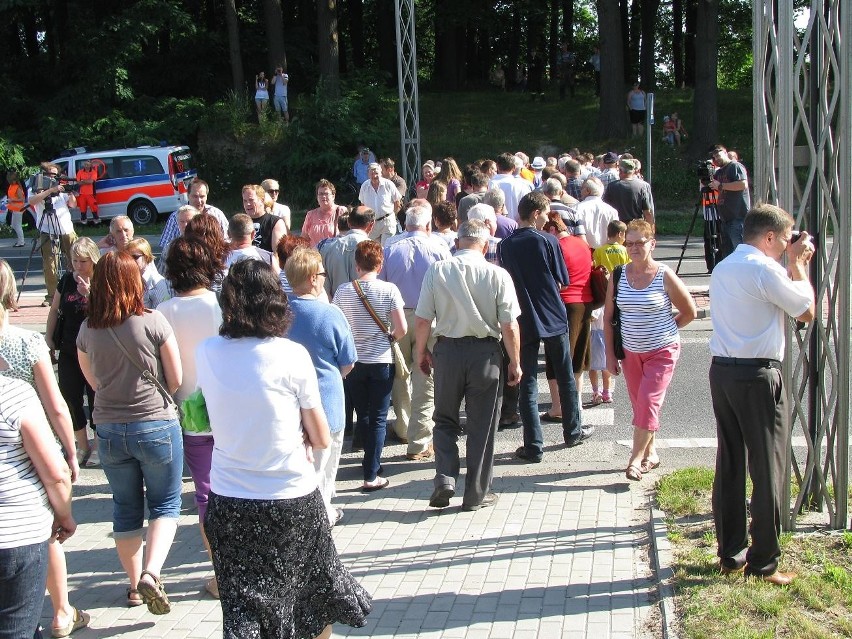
(421, 303)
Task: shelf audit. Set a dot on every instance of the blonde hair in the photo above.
(261, 194)
(141, 244)
(302, 265)
(85, 248)
(641, 226)
(8, 289)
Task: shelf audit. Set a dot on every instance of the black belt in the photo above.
(468, 339)
(759, 362)
(379, 219)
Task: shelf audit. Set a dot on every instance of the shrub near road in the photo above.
(817, 605)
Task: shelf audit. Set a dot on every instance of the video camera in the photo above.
(705, 170)
(43, 182)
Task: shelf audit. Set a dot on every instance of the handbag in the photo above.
(401, 368)
(617, 343)
(147, 375)
(599, 279)
(59, 327)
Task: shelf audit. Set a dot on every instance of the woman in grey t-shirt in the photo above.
(139, 435)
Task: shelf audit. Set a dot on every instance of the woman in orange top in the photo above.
(15, 205)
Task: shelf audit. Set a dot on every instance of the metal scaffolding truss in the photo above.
(409, 102)
(803, 163)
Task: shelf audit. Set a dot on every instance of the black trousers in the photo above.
(753, 432)
(73, 386)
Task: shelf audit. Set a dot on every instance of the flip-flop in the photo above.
(381, 483)
(633, 472)
(80, 619)
(154, 595)
(647, 465)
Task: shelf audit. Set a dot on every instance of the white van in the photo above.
(141, 182)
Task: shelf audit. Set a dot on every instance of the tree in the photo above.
(647, 56)
(677, 42)
(612, 120)
(234, 46)
(327, 45)
(273, 23)
(705, 109)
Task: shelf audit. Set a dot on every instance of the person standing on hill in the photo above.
(279, 99)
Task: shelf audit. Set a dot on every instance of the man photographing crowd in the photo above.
(731, 183)
(53, 220)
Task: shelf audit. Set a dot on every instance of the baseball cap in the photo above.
(627, 165)
(610, 158)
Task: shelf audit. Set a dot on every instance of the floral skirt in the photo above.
(277, 568)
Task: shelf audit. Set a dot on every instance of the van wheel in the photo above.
(142, 212)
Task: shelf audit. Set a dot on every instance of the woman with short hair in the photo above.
(277, 569)
(323, 330)
(321, 222)
(155, 287)
(371, 380)
(139, 435)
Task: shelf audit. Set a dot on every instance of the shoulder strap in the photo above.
(370, 309)
(147, 375)
(616, 276)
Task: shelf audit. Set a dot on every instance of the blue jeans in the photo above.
(23, 576)
(142, 459)
(558, 349)
(732, 236)
(369, 386)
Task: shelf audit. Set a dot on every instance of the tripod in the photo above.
(707, 202)
(49, 234)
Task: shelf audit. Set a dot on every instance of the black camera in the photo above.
(705, 170)
(43, 182)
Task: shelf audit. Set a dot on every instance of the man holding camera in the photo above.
(53, 219)
(279, 97)
(731, 183)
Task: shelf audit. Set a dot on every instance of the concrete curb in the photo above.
(661, 552)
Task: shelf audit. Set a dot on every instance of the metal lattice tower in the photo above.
(409, 101)
(803, 163)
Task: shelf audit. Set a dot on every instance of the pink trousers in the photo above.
(647, 376)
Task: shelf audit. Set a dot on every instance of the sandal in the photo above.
(154, 595)
(633, 472)
(380, 483)
(133, 598)
(647, 465)
(79, 619)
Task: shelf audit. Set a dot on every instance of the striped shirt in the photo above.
(371, 343)
(25, 514)
(647, 323)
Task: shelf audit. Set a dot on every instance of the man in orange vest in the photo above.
(86, 199)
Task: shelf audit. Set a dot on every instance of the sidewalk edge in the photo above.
(662, 558)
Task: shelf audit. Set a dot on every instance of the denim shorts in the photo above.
(142, 459)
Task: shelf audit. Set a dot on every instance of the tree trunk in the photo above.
(514, 63)
(234, 46)
(612, 116)
(677, 42)
(327, 45)
(273, 23)
(647, 66)
(689, 43)
(386, 35)
(554, 37)
(624, 20)
(705, 107)
(634, 40)
(356, 32)
(568, 23)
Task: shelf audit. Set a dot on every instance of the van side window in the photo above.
(135, 166)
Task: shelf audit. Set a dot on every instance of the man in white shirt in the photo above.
(383, 197)
(752, 296)
(53, 220)
(513, 187)
(595, 213)
(198, 191)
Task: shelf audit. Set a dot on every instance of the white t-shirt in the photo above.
(193, 319)
(63, 215)
(254, 389)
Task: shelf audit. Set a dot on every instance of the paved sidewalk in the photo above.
(562, 554)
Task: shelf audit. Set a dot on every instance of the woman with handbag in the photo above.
(370, 306)
(67, 312)
(130, 357)
(640, 298)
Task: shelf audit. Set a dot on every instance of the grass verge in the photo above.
(818, 604)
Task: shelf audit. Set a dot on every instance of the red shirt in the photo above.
(578, 261)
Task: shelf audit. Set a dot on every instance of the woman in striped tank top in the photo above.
(647, 290)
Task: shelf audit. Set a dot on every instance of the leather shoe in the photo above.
(776, 578)
(579, 439)
(522, 453)
(441, 497)
(489, 500)
(730, 570)
(509, 422)
(429, 453)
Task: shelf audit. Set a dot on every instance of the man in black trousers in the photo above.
(752, 296)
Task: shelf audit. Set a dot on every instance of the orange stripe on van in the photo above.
(125, 195)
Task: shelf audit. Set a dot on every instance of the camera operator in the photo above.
(53, 217)
(734, 201)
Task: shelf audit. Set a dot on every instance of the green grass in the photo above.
(817, 605)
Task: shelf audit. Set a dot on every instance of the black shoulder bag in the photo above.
(617, 343)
